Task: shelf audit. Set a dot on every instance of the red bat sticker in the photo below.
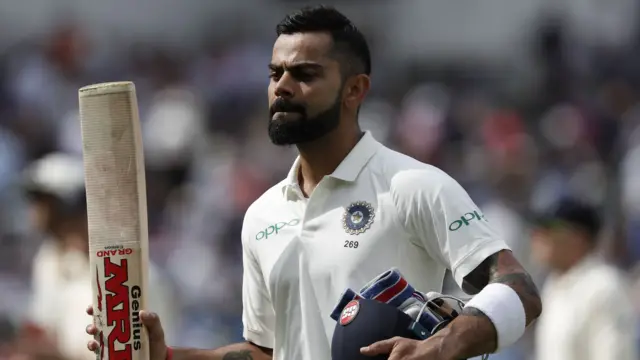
(100, 334)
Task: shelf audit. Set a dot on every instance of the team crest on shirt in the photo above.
(349, 312)
(358, 217)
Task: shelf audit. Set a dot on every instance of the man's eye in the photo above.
(274, 75)
(305, 76)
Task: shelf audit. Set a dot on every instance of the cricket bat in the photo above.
(117, 217)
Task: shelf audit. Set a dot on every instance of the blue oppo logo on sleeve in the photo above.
(274, 229)
(466, 220)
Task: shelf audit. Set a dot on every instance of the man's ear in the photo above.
(355, 90)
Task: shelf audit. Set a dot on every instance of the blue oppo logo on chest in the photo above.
(274, 229)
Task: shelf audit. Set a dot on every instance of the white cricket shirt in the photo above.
(379, 209)
(588, 315)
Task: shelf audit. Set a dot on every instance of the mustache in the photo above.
(282, 105)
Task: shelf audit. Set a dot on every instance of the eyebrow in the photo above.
(297, 65)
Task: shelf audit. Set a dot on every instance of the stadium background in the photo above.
(521, 101)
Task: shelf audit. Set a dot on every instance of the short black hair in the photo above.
(575, 213)
(348, 41)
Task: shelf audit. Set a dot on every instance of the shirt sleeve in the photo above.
(258, 316)
(443, 219)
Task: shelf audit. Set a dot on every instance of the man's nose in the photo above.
(284, 87)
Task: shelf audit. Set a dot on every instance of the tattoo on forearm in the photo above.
(503, 268)
(471, 311)
(521, 282)
(238, 355)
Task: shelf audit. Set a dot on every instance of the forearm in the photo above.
(473, 333)
(240, 351)
(468, 336)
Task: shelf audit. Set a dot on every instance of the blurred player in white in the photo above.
(60, 278)
(588, 307)
(61, 283)
(351, 209)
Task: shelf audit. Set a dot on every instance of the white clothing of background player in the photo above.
(349, 210)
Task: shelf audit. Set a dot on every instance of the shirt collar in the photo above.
(349, 168)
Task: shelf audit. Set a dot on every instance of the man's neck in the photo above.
(571, 263)
(321, 157)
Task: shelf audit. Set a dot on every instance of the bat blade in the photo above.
(117, 217)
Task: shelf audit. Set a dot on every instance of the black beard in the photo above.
(305, 129)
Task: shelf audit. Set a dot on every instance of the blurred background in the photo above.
(523, 102)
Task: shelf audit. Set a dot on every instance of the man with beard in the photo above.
(349, 210)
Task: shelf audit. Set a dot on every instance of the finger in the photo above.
(152, 322)
(91, 329)
(380, 347)
(401, 352)
(89, 310)
(93, 345)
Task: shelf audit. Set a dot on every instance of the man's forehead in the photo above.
(312, 47)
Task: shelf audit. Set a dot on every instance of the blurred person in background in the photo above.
(588, 310)
(61, 281)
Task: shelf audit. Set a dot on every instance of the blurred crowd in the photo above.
(574, 131)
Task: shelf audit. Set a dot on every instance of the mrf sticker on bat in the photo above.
(117, 311)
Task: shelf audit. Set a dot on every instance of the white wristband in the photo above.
(502, 305)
